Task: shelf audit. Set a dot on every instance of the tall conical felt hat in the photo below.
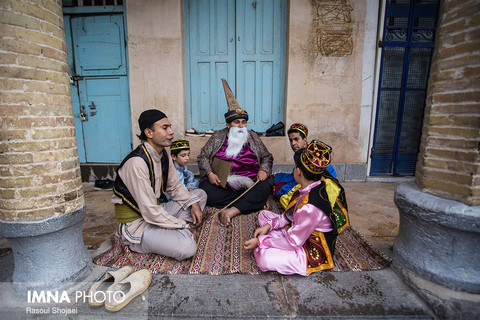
(234, 110)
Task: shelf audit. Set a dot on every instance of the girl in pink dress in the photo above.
(302, 239)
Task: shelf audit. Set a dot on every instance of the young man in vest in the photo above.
(146, 222)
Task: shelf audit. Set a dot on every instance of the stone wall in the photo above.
(39, 165)
(449, 160)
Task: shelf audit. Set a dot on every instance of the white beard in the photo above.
(237, 182)
(237, 138)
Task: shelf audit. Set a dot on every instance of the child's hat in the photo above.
(300, 128)
(316, 156)
(180, 145)
(234, 110)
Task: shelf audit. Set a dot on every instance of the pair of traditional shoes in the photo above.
(192, 132)
(119, 287)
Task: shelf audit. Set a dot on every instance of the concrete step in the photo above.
(377, 294)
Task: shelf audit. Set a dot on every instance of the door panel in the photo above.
(104, 131)
(211, 49)
(100, 100)
(387, 109)
(243, 42)
(260, 60)
(99, 45)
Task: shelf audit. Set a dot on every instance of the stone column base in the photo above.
(49, 254)
(437, 251)
(447, 303)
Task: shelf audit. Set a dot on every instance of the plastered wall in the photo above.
(156, 60)
(329, 83)
(324, 86)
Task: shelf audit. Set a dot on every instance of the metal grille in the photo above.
(91, 3)
(418, 68)
(435, 2)
(423, 22)
(387, 114)
(408, 41)
(393, 67)
(399, 2)
(398, 21)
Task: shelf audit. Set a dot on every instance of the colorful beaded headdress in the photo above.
(180, 145)
(316, 156)
(234, 110)
(299, 127)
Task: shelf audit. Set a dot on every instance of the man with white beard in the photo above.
(250, 159)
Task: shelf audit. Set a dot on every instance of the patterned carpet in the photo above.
(220, 250)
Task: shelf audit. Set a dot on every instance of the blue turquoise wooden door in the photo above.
(243, 42)
(210, 48)
(97, 63)
(260, 61)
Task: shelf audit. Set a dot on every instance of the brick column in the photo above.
(449, 161)
(41, 199)
(437, 248)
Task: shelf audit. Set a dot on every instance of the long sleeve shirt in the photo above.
(186, 176)
(306, 219)
(135, 175)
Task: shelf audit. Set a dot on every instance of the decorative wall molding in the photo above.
(332, 28)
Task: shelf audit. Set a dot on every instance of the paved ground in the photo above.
(325, 295)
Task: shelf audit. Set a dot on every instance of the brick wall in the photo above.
(39, 165)
(449, 159)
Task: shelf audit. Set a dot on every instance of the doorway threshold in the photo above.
(390, 179)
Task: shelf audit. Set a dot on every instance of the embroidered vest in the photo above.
(319, 247)
(121, 190)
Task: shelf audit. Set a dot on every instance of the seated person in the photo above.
(180, 152)
(285, 184)
(250, 159)
(302, 239)
(147, 224)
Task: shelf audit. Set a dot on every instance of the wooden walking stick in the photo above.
(218, 211)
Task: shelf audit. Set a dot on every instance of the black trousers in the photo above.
(252, 201)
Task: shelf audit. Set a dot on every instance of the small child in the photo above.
(180, 151)
(302, 239)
